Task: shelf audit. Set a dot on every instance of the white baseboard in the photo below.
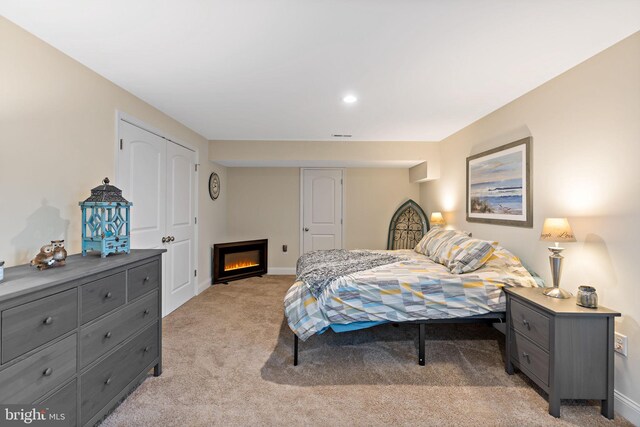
(202, 286)
(627, 408)
(282, 270)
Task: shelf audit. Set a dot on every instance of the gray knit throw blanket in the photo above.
(317, 269)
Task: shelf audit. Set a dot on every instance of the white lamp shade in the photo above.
(436, 219)
(557, 230)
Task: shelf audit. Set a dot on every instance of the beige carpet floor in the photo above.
(228, 362)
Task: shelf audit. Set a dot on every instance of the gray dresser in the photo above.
(565, 349)
(79, 338)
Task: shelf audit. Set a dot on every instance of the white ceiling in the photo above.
(278, 69)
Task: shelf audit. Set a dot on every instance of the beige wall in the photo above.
(585, 126)
(265, 203)
(372, 196)
(57, 141)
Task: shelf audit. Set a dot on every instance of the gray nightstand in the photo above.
(564, 348)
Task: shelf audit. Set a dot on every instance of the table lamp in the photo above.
(436, 219)
(556, 230)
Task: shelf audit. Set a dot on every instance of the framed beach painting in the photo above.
(499, 185)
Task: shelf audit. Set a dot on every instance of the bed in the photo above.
(405, 287)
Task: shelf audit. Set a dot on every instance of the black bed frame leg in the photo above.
(421, 335)
(295, 350)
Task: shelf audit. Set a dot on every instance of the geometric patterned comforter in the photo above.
(414, 288)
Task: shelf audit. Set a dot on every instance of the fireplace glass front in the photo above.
(239, 260)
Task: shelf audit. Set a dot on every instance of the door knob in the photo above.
(164, 240)
(306, 229)
(171, 238)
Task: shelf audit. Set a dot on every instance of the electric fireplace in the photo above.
(239, 260)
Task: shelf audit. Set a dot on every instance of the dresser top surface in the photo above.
(557, 306)
(24, 279)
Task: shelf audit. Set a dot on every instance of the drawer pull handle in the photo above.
(146, 349)
(48, 320)
(146, 279)
(108, 295)
(525, 322)
(107, 381)
(526, 356)
(146, 312)
(47, 372)
(108, 334)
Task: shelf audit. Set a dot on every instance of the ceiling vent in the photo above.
(341, 135)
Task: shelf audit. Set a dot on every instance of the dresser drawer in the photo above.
(102, 296)
(64, 402)
(102, 336)
(30, 325)
(40, 373)
(104, 381)
(530, 323)
(143, 279)
(533, 360)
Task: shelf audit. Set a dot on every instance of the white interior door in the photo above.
(321, 209)
(142, 179)
(158, 176)
(181, 284)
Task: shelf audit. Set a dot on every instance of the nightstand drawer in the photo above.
(530, 323)
(531, 359)
(28, 326)
(103, 295)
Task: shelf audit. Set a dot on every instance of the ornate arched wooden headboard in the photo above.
(407, 226)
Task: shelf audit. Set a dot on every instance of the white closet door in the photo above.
(181, 283)
(321, 209)
(158, 176)
(142, 179)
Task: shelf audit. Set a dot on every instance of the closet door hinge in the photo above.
(196, 220)
(196, 167)
(121, 143)
(195, 273)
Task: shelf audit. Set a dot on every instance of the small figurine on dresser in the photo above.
(44, 259)
(59, 252)
(53, 255)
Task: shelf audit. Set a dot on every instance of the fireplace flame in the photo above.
(240, 264)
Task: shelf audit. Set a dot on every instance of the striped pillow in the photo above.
(431, 241)
(447, 249)
(469, 255)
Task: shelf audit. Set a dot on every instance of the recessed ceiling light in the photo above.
(349, 99)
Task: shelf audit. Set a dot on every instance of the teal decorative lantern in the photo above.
(106, 224)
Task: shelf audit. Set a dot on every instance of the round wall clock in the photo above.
(214, 186)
